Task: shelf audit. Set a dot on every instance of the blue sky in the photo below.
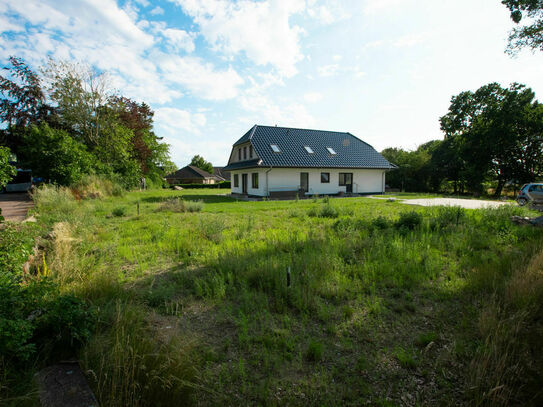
(384, 70)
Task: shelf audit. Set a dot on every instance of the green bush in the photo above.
(119, 211)
(408, 220)
(33, 313)
(314, 351)
(381, 223)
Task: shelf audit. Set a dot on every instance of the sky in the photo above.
(383, 70)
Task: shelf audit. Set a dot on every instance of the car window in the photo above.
(532, 188)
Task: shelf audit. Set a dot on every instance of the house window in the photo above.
(325, 177)
(345, 178)
(245, 152)
(239, 154)
(275, 148)
(309, 149)
(250, 151)
(331, 150)
(236, 180)
(254, 180)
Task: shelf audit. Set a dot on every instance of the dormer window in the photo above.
(309, 149)
(275, 148)
(331, 150)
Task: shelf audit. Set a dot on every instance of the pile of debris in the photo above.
(521, 220)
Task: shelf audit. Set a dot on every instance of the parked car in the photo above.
(532, 192)
(21, 182)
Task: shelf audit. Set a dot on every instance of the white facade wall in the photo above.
(288, 179)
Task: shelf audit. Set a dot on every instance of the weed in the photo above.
(405, 359)
(408, 220)
(314, 351)
(425, 338)
(119, 211)
(181, 205)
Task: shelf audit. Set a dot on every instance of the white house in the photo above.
(281, 161)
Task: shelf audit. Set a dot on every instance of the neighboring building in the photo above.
(191, 175)
(220, 173)
(280, 161)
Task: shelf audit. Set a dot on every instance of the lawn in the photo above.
(347, 301)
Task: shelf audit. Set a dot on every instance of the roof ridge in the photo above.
(300, 128)
(253, 132)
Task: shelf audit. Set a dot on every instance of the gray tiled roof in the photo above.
(189, 172)
(351, 151)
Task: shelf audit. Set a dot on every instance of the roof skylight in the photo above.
(275, 148)
(309, 149)
(331, 150)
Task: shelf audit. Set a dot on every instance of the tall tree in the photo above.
(22, 102)
(200, 162)
(529, 35)
(495, 126)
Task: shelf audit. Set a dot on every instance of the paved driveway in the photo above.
(15, 205)
(464, 203)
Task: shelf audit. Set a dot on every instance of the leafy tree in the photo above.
(198, 161)
(22, 102)
(414, 171)
(495, 128)
(529, 35)
(7, 171)
(54, 155)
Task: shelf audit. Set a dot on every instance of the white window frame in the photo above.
(331, 150)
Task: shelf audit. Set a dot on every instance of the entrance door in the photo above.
(304, 182)
(346, 180)
(244, 183)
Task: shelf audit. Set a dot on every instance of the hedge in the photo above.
(223, 185)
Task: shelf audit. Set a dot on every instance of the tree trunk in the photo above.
(499, 188)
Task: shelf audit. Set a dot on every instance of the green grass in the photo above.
(384, 299)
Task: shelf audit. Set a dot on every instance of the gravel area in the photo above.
(464, 203)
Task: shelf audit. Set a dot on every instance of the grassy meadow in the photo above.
(204, 300)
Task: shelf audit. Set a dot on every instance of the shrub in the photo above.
(94, 186)
(446, 216)
(408, 220)
(381, 223)
(119, 211)
(180, 205)
(314, 351)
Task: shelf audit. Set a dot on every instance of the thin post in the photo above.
(288, 277)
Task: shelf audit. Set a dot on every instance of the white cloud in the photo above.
(328, 70)
(410, 40)
(377, 6)
(179, 39)
(313, 97)
(261, 30)
(200, 77)
(327, 12)
(143, 3)
(157, 11)
(177, 122)
(337, 57)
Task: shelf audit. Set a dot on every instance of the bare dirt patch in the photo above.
(15, 206)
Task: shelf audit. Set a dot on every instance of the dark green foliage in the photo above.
(529, 35)
(86, 132)
(119, 211)
(33, 313)
(198, 161)
(55, 156)
(408, 220)
(7, 171)
(314, 351)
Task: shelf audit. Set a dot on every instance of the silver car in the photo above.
(531, 193)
